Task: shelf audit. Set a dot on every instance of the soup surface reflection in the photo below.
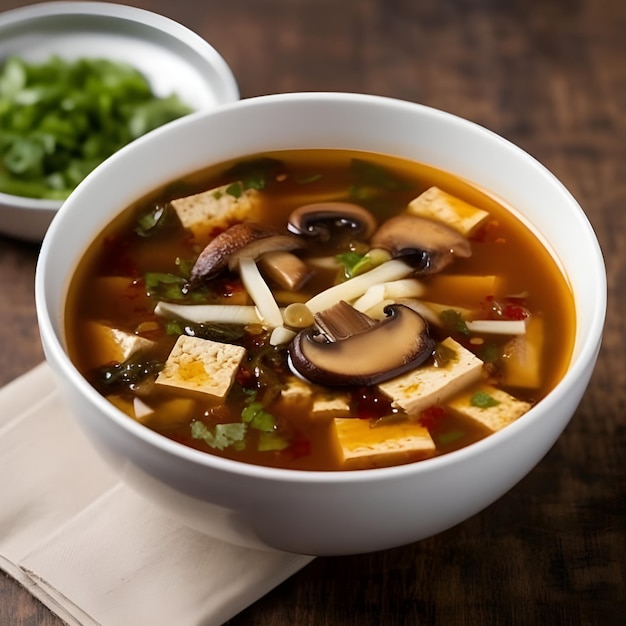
(321, 310)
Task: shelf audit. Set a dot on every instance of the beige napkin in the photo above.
(93, 551)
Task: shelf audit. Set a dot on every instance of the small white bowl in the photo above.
(173, 58)
(323, 513)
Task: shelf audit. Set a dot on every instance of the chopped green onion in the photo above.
(483, 400)
(453, 321)
(59, 119)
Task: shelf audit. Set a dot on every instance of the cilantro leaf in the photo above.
(222, 436)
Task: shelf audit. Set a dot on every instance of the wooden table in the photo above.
(550, 76)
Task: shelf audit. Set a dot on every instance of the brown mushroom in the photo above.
(245, 240)
(329, 354)
(321, 219)
(426, 244)
(285, 269)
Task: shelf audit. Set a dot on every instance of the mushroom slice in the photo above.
(427, 244)
(285, 269)
(322, 218)
(244, 240)
(375, 352)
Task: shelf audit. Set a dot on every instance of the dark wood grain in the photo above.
(550, 76)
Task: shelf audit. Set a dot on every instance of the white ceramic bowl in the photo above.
(315, 512)
(173, 58)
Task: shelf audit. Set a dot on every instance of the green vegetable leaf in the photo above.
(453, 321)
(148, 223)
(258, 418)
(367, 174)
(123, 375)
(234, 190)
(165, 286)
(59, 119)
(223, 436)
(449, 437)
(255, 173)
(272, 441)
(349, 260)
(483, 400)
(443, 355)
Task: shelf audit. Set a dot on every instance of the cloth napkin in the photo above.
(92, 550)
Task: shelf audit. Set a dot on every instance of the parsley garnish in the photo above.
(453, 321)
(222, 436)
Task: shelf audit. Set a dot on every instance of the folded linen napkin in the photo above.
(92, 550)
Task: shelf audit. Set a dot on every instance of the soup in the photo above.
(321, 310)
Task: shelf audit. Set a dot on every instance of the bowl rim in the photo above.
(58, 9)
(577, 370)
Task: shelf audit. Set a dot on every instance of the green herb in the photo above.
(483, 400)
(349, 260)
(184, 266)
(223, 436)
(165, 286)
(369, 177)
(489, 353)
(272, 441)
(151, 221)
(254, 174)
(174, 327)
(234, 190)
(443, 355)
(258, 418)
(453, 321)
(449, 437)
(60, 119)
(216, 332)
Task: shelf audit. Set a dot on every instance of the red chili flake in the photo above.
(514, 312)
(245, 377)
(231, 287)
(430, 416)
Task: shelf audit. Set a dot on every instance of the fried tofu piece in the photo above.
(202, 365)
(428, 385)
(216, 208)
(108, 344)
(330, 405)
(316, 401)
(171, 412)
(469, 290)
(365, 446)
(444, 207)
(496, 410)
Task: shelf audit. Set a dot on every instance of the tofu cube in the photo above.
(363, 445)
(110, 344)
(444, 207)
(469, 290)
(503, 410)
(216, 208)
(296, 388)
(330, 405)
(201, 365)
(429, 385)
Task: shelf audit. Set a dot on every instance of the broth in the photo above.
(277, 406)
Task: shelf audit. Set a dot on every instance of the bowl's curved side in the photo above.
(315, 512)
